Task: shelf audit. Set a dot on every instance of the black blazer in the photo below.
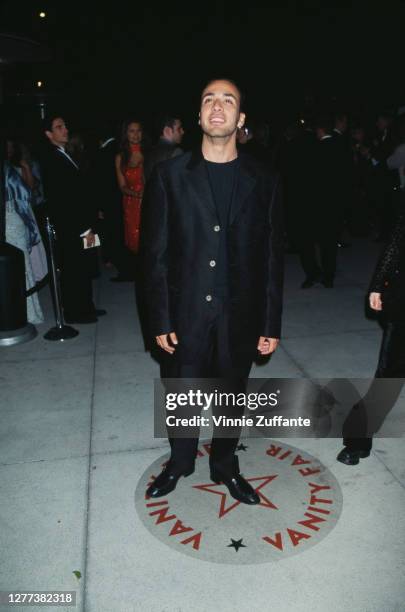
(180, 237)
(104, 179)
(330, 185)
(71, 206)
(160, 152)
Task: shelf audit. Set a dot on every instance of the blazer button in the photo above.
(208, 298)
(213, 263)
(216, 228)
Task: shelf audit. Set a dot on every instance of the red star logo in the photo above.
(213, 488)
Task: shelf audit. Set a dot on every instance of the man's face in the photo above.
(177, 132)
(219, 113)
(59, 134)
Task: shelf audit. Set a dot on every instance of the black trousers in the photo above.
(371, 411)
(211, 360)
(78, 268)
(327, 242)
(113, 247)
(391, 362)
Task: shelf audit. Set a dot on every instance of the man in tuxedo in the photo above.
(383, 179)
(323, 208)
(213, 254)
(109, 198)
(341, 125)
(342, 140)
(73, 213)
(171, 134)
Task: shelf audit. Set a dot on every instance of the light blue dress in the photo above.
(22, 232)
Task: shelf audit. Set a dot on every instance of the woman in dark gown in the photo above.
(387, 295)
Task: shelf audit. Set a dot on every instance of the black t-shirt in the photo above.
(222, 177)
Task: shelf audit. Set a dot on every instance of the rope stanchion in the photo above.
(61, 331)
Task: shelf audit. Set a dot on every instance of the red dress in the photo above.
(132, 204)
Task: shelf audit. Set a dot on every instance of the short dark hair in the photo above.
(240, 92)
(166, 120)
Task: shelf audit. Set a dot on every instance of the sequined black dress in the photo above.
(389, 277)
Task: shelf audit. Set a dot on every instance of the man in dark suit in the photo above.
(323, 207)
(383, 179)
(213, 254)
(73, 213)
(109, 198)
(171, 134)
(342, 140)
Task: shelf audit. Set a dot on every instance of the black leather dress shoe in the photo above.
(165, 483)
(238, 487)
(100, 312)
(352, 457)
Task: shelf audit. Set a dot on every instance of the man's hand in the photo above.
(163, 342)
(266, 346)
(375, 301)
(90, 239)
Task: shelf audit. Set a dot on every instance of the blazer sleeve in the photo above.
(275, 276)
(154, 253)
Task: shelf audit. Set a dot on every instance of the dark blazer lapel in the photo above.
(199, 181)
(67, 161)
(246, 182)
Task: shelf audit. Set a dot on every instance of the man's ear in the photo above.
(48, 134)
(199, 118)
(241, 121)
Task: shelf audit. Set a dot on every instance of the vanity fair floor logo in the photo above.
(300, 503)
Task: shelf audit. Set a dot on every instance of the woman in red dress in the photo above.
(129, 168)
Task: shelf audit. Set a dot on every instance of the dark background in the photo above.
(118, 58)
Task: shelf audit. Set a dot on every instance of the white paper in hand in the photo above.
(96, 242)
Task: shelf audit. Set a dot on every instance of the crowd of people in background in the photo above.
(340, 180)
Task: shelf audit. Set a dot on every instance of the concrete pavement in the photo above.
(76, 437)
